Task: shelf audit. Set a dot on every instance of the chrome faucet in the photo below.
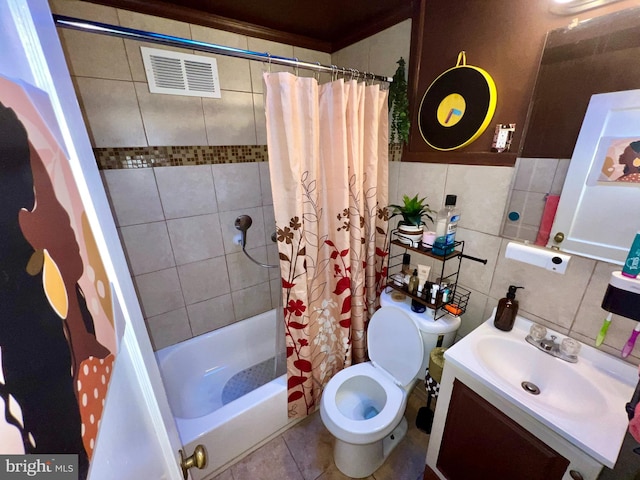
(567, 350)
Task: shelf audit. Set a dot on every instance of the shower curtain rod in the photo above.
(117, 31)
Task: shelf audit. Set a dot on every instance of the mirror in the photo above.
(593, 56)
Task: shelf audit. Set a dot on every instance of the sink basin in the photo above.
(562, 386)
(583, 402)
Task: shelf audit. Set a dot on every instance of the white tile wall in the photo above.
(190, 276)
(569, 303)
(119, 110)
(204, 280)
(171, 119)
(134, 196)
(534, 178)
(186, 191)
(230, 120)
(159, 291)
(195, 238)
(110, 108)
(147, 247)
(238, 186)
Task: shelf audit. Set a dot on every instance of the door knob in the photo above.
(198, 460)
(558, 237)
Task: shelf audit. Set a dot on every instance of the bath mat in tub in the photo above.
(248, 380)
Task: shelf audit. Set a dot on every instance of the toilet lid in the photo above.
(395, 344)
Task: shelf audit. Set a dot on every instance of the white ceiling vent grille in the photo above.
(176, 73)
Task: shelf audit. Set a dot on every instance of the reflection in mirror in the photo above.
(535, 191)
(579, 61)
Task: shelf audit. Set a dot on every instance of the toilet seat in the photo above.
(395, 349)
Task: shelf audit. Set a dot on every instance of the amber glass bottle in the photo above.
(507, 310)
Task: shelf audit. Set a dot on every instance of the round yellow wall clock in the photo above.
(457, 107)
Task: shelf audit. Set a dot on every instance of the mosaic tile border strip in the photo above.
(118, 158)
(147, 157)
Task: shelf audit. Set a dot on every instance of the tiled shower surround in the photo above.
(175, 209)
(177, 229)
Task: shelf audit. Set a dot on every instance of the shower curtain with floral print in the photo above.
(328, 161)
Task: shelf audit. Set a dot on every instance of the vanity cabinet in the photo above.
(479, 438)
(478, 434)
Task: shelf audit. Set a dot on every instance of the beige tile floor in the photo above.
(305, 452)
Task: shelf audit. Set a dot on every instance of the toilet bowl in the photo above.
(363, 405)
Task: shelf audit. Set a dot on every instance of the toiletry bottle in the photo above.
(426, 290)
(631, 266)
(406, 264)
(446, 226)
(507, 310)
(434, 293)
(413, 283)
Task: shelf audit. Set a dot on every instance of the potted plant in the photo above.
(414, 211)
(399, 106)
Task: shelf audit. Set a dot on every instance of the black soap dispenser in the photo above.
(507, 310)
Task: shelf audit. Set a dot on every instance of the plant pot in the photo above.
(410, 234)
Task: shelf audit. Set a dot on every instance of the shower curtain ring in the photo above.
(295, 69)
(334, 75)
(357, 72)
(316, 74)
(269, 61)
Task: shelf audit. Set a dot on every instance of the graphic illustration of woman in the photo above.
(47, 334)
(630, 158)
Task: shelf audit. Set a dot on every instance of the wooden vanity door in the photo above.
(479, 441)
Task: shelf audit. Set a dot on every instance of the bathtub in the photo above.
(204, 373)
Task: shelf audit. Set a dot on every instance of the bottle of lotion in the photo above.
(507, 310)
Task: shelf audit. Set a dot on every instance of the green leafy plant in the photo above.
(399, 105)
(413, 211)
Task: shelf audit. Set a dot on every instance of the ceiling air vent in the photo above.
(176, 73)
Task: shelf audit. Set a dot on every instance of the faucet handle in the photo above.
(537, 332)
(570, 347)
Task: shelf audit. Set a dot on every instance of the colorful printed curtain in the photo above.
(328, 161)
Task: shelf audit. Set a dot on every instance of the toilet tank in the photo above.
(435, 333)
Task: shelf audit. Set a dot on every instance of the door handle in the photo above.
(198, 460)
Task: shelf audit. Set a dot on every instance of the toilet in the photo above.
(363, 405)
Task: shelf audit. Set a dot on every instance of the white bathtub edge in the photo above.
(257, 420)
